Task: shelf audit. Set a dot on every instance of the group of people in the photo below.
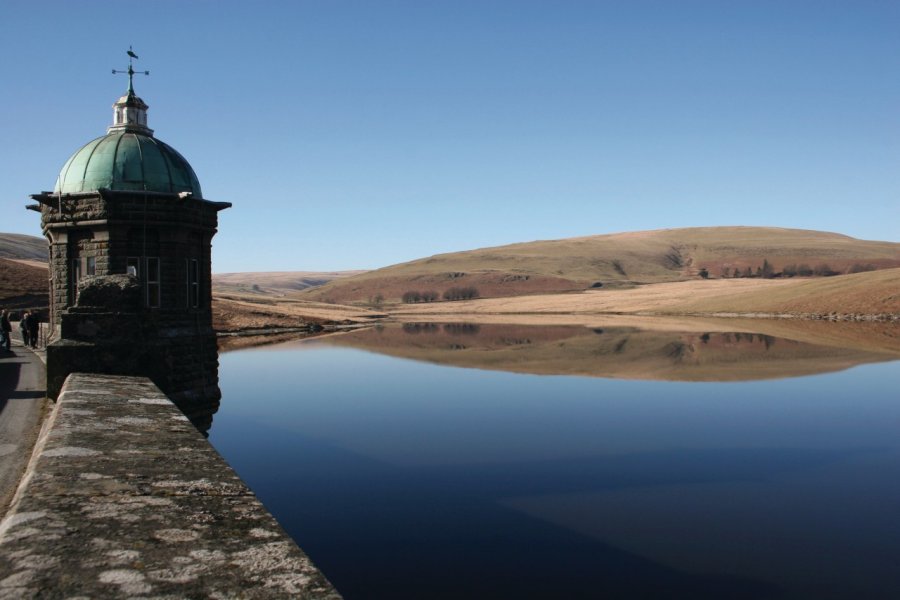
(29, 326)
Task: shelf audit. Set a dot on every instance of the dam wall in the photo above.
(123, 497)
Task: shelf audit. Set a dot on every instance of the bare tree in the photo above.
(461, 293)
(860, 268)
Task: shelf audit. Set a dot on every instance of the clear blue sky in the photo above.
(357, 134)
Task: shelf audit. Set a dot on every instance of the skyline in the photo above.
(357, 135)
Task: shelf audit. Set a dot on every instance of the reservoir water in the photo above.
(503, 461)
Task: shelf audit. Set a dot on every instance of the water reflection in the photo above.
(620, 352)
(407, 479)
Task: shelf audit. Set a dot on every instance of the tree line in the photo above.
(454, 293)
(767, 271)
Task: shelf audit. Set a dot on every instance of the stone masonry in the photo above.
(125, 499)
(163, 328)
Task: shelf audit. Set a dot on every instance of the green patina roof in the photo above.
(124, 160)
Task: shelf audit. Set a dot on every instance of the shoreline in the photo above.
(865, 334)
(840, 317)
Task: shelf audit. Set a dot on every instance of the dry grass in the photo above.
(622, 259)
(872, 293)
(23, 271)
(274, 282)
(23, 285)
(240, 313)
(18, 246)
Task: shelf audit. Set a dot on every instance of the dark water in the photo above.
(410, 479)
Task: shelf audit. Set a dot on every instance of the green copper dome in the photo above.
(128, 157)
(124, 159)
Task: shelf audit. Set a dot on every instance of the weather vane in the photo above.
(131, 58)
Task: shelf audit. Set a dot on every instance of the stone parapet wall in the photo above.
(124, 498)
(177, 352)
(109, 332)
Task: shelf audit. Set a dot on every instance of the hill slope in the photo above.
(875, 293)
(274, 283)
(23, 271)
(615, 260)
(23, 285)
(25, 247)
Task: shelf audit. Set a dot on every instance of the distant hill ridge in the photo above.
(23, 271)
(22, 247)
(277, 282)
(618, 260)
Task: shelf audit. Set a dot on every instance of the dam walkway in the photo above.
(122, 497)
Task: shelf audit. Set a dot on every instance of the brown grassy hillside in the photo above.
(616, 260)
(872, 293)
(23, 285)
(16, 245)
(275, 282)
(23, 271)
(875, 293)
(233, 313)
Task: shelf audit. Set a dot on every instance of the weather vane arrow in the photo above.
(131, 58)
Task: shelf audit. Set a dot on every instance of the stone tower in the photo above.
(130, 241)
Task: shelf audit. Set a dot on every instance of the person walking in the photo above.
(34, 328)
(23, 327)
(5, 329)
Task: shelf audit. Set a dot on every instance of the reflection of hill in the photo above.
(619, 352)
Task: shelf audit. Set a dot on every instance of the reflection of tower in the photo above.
(130, 239)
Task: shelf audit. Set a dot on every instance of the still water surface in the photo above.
(412, 462)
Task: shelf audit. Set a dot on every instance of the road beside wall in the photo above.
(23, 385)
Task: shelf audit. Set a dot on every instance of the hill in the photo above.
(24, 247)
(847, 296)
(618, 261)
(23, 271)
(23, 285)
(274, 283)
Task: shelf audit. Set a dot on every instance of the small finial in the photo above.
(131, 57)
(129, 111)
